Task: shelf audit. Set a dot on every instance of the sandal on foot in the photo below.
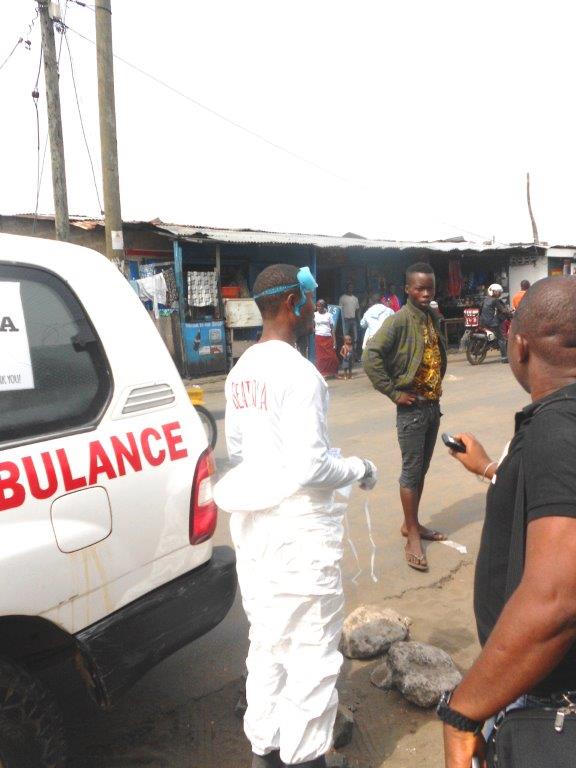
(418, 562)
(430, 535)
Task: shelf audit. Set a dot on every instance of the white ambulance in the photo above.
(106, 510)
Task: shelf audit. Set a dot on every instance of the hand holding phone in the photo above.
(451, 442)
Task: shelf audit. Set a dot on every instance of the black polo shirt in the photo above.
(546, 439)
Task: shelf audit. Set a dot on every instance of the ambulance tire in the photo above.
(209, 424)
(31, 725)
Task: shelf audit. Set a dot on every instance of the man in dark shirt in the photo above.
(493, 314)
(528, 640)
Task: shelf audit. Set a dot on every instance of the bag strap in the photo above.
(517, 550)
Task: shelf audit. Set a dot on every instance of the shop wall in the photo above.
(532, 271)
(14, 225)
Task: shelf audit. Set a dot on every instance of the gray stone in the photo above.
(383, 676)
(422, 672)
(370, 631)
(343, 727)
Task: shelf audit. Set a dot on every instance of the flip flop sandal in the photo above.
(418, 562)
(430, 535)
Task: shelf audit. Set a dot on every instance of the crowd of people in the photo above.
(288, 532)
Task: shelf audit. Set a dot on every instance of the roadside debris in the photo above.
(369, 631)
(419, 671)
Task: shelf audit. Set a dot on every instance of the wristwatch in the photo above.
(455, 719)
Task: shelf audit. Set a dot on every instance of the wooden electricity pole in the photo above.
(108, 143)
(532, 219)
(62, 223)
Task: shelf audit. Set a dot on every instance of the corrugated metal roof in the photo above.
(263, 237)
(259, 237)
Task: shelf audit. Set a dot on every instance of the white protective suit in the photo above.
(288, 539)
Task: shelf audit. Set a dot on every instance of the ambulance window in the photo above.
(54, 376)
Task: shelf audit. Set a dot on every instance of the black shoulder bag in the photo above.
(539, 736)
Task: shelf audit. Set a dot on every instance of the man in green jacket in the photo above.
(406, 361)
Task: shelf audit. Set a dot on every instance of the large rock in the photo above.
(383, 676)
(370, 631)
(343, 727)
(419, 671)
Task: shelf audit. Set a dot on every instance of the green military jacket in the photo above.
(393, 355)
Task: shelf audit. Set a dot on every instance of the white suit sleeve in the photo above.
(305, 438)
(233, 435)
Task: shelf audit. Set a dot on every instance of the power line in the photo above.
(7, 59)
(214, 112)
(65, 37)
(24, 39)
(247, 130)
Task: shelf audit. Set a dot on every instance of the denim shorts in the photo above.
(417, 426)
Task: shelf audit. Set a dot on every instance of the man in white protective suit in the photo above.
(286, 529)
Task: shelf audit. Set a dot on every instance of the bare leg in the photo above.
(410, 499)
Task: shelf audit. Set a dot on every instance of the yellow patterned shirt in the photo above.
(428, 380)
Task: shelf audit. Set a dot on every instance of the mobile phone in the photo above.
(475, 762)
(451, 442)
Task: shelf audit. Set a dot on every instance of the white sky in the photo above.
(431, 110)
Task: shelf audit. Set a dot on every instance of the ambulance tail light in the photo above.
(203, 510)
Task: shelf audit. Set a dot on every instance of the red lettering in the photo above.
(12, 493)
(263, 402)
(235, 398)
(51, 480)
(122, 452)
(155, 461)
(70, 483)
(244, 394)
(173, 440)
(99, 463)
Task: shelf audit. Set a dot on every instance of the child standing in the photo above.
(347, 355)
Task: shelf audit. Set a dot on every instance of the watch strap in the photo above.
(456, 719)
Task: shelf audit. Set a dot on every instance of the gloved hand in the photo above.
(371, 477)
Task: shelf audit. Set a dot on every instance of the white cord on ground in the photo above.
(454, 545)
(372, 543)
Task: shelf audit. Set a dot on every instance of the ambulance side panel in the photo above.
(137, 509)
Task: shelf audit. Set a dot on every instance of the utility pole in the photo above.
(108, 144)
(535, 237)
(54, 122)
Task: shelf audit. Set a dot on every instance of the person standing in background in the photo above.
(390, 298)
(517, 298)
(373, 318)
(350, 308)
(325, 341)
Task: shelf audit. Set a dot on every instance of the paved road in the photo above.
(202, 678)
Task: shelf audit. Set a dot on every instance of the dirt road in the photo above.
(182, 714)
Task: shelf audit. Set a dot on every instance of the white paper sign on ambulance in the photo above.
(15, 364)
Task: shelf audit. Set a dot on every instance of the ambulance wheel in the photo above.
(31, 725)
(209, 424)
(476, 351)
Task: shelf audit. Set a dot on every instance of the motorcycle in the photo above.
(196, 395)
(477, 340)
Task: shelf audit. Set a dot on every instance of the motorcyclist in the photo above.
(493, 313)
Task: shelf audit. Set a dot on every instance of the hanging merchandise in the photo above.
(171, 289)
(146, 270)
(153, 289)
(202, 289)
(455, 280)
